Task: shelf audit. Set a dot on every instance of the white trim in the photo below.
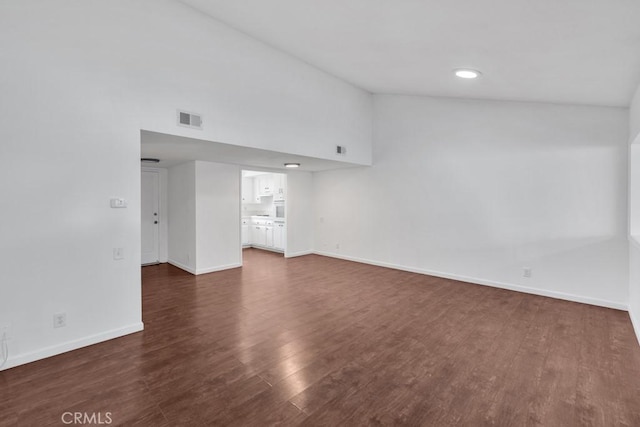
(301, 253)
(159, 236)
(54, 350)
(535, 291)
(182, 266)
(199, 271)
(265, 248)
(217, 268)
(163, 230)
(635, 322)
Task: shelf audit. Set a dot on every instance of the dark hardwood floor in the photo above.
(319, 341)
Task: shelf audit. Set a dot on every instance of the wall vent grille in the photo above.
(190, 120)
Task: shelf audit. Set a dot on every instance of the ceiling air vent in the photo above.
(189, 120)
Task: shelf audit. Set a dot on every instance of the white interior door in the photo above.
(150, 219)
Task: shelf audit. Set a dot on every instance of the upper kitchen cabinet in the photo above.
(264, 185)
(247, 190)
(261, 186)
(278, 186)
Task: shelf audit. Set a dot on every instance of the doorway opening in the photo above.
(150, 220)
(263, 199)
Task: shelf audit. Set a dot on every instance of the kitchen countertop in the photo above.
(268, 218)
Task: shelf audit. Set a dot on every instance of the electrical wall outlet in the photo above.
(118, 253)
(526, 272)
(60, 320)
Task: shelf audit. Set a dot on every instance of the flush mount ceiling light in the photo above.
(467, 73)
(149, 160)
(292, 165)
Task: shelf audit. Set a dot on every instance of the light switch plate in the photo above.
(118, 203)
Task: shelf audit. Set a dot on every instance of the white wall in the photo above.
(299, 213)
(477, 190)
(634, 212)
(79, 79)
(204, 216)
(217, 232)
(634, 116)
(634, 286)
(248, 94)
(66, 150)
(182, 216)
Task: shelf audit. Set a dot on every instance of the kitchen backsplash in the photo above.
(249, 209)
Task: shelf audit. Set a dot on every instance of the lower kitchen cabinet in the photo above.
(268, 231)
(246, 239)
(258, 235)
(246, 232)
(279, 235)
(266, 234)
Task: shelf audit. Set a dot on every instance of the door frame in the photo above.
(163, 230)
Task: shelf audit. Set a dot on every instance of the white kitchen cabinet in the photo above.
(264, 185)
(267, 184)
(246, 232)
(248, 190)
(256, 190)
(246, 239)
(258, 235)
(268, 231)
(278, 186)
(279, 236)
(262, 235)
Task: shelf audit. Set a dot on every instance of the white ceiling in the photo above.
(172, 150)
(561, 51)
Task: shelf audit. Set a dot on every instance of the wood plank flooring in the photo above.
(324, 342)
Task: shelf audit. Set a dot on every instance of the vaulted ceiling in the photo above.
(560, 51)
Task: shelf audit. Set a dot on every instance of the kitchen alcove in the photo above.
(263, 222)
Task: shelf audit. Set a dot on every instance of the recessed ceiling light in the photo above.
(149, 160)
(467, 73)
(292, 165)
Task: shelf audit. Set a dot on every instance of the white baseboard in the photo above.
(217, 268)
(477, 281)
(264, 248)
(635, 321)
(199, 271)
(54, 350)
(295, 254)
(182, 266)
